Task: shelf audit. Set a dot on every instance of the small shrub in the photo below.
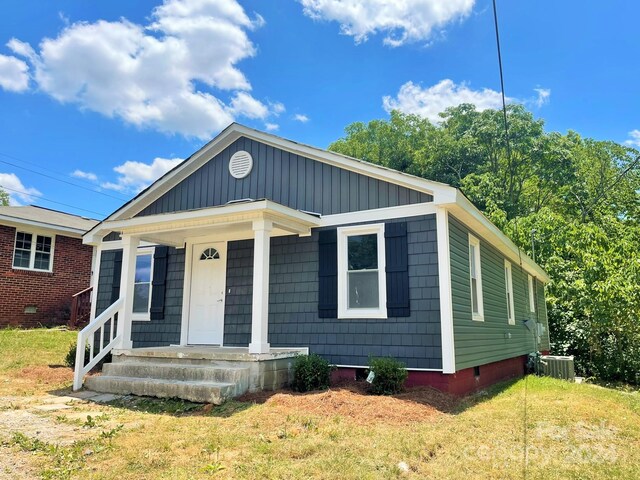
(70, 359)
(311, 372)
(389, 376)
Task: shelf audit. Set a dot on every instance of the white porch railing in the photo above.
(111, 316)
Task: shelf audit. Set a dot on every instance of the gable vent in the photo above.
(240, 164)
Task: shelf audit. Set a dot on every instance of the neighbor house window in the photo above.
(142, 284)
(475, 274)
(362, 289)
(532, 295)
(508, 281)
(33, 252)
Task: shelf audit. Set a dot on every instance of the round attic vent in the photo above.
(240, 164)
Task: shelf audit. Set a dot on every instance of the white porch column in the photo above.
(260, 305)
(127, 277)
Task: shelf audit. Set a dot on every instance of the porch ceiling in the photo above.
(233, 221)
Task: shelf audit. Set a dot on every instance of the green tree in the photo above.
(4, 198)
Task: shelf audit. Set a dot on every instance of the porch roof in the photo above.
(231, 221)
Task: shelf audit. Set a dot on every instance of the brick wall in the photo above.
(49, 292)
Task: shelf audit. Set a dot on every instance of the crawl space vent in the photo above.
(240, 164)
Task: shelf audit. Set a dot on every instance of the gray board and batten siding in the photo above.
(481, 342)
(293, 303)
(283, 177)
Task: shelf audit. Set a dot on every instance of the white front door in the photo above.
(206, 305)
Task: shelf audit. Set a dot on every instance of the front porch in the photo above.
(202, 236)
(198, 374)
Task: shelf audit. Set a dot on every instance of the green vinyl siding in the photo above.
(479, 343)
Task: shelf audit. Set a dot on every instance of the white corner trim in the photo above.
(446, 301)
(343, 311)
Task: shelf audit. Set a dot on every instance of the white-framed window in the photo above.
(475, 279)
(532, 295)
(142, 287)
(362, 286)
(33, 251)
(508, 281)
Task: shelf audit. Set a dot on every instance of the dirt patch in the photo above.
(16, 464)
(350, 400)
(46, 374)
(39, 427)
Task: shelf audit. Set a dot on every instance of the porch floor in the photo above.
(206, 352)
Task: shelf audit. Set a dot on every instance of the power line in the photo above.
(54, 178)
(40, 197)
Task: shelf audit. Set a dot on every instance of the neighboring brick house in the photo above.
(42, 264)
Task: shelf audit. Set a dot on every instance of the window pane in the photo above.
(41, 261)
(472, 260)
(21, 258)
(23, 241)
(43, 244)
(141, 298)
(474, 295)
(143, 268)
(363, 252)
(363, 290)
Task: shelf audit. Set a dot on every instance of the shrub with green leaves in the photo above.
(389, 376)
(311, 372)
(70, 359)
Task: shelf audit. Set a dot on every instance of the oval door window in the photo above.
(210, 254)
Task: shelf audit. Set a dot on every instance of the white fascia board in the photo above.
(234, 213)
(58, 229)
(375, 214)
(467, 213)
(235, 131)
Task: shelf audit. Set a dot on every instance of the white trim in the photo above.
(17, 222)
(129, 250)
(479, 316)
(408, 369)
(377, 214)
(260, 297)
(446, 300)
(95, 279)
(32, 253)
(343, 294)
(532, 295)
(508, 280)
(144, 316)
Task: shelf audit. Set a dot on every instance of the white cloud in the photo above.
(135, 176)
(171, 74)
(300, 117)
(14, 74)
(543, 95)
(18, 193)
(634, 138)
(402, 21)
(428, 102)
(271, 127)
(86, 175)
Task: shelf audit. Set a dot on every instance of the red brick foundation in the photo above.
(51, 292)
(460, 383)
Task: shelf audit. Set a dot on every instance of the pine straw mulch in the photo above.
(350, 400)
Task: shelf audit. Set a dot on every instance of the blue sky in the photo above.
(110, 94)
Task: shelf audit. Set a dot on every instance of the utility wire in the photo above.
(524, 284)
(40, 197)
(58, 179)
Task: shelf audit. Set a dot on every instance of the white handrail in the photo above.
(111, 315)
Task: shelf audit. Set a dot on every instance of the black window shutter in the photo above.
(328, 274)
(160, 260)
(117, 273)
(397, 269)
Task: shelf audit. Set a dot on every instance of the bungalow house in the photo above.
(256, 249)
(43, 263)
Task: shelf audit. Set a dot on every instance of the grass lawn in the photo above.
(535, 428)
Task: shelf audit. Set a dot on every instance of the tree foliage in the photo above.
(574, 199)
(4, 198)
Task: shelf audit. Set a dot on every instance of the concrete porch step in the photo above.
(182, 372)
(195, 391)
